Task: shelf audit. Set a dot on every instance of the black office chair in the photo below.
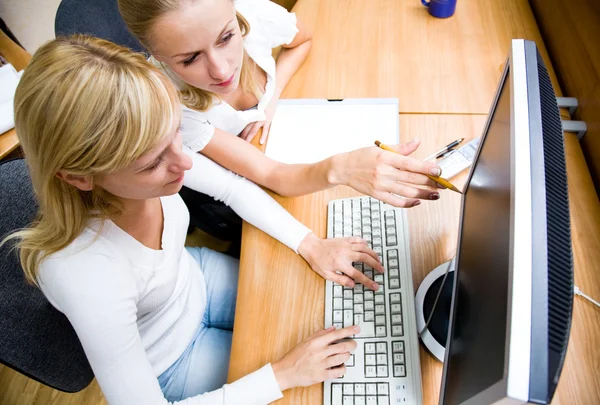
(99, 18)
(35, 339)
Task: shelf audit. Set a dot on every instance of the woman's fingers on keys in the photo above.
(338, 334)
(337, 359)
(342, 279)
(368, 256)
(336, 372)
(359, 277)
(346, 345)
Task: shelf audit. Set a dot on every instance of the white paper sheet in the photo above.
(307, 131)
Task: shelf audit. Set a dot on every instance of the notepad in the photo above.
(310, 130)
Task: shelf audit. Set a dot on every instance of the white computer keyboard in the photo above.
(385, 367)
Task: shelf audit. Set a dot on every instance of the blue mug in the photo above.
(440, 8)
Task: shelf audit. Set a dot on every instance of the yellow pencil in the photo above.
(439, 180)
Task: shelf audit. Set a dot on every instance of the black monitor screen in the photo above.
(476, 358)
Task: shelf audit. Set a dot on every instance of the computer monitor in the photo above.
(513, 285)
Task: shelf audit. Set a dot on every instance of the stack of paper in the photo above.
(310, 130)
(9, 78)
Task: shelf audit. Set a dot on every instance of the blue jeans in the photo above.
(204, 364)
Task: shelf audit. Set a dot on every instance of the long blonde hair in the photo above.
(141, 15)
(88, 107)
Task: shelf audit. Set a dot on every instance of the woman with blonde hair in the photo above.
(99, 127)
(218, 53)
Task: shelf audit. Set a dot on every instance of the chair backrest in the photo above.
(35, 339)
(99, 18)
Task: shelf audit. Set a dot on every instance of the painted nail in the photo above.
(434, 196)
(435, 171)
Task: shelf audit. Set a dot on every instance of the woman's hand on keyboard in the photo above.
(320, 357)
(332, 259)
(386, 176)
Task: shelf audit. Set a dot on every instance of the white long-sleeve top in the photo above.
(136, 309)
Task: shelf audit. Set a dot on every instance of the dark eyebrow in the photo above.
(193, 52)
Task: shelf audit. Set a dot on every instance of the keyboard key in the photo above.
(338, 316)
(369, 305)
(378, 278)
(395, 298)
(371, 372)
(397, 330)
(366, 212)
(380, 331)
(370, 360)
(371, 389)
(338, 325)
(398, 358)
(338, 303)
(348, 400)
(348, 389)
(371, 400)
(382, 359)
(382, 389)
(398, 346)
(396, 309)
(358, 309)
(381, 400)
(369, 316)
(379, 309)
(389, 214)
(380, 320)
(358, 298)
(360, 401)
(392, 254)
(382, 371)
(348, 304)
(394, 283)
(389, 230)
(366, 228)
(392, 241)
(379, 299)
(393, 272)
(375, 215)
(396, 319)
(356, 231)
(336, 394)
(338, 291)
(358, 319)
(392, 263)
(370, 348)
(376, 224)
(348, 318)
(367, 329)
(347, 294)
(369, 295)
(359, 389)
(377, 249)
(381, 348)
(399, 371)
(358, 289)
(350, 362)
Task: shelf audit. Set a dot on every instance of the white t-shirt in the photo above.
(270, 26)
(135, 309)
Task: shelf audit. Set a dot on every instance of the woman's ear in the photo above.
(83, 183)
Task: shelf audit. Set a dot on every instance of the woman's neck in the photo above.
(143, 220)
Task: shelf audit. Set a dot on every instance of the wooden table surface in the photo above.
(394, 48)
(356, 54)
(19, 58)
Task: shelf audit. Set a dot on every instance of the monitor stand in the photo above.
(434, 337)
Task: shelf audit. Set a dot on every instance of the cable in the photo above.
(436, 299)
(577, 291)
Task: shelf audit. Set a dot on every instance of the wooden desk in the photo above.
(394, 48)
(19, 58)
(281, 301)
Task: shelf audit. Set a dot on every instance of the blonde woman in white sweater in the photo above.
(100, 129)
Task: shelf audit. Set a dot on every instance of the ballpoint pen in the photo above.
(444, 149)
(439, 180)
